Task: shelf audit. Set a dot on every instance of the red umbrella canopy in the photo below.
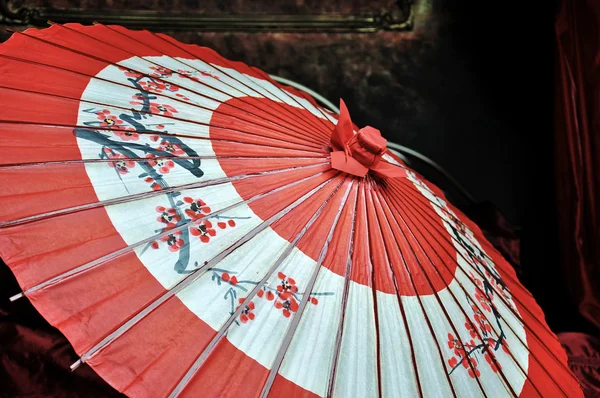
(194, 228)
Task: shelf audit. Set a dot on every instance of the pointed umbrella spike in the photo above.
(75, 365)
(16, 297)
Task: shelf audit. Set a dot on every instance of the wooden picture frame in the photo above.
(397, 18)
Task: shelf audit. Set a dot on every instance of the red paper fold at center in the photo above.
(357, 153)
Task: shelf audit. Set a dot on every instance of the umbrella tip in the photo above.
(49, 22)
(96, 23)
(76, 365)
(16, 297)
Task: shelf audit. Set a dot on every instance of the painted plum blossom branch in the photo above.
(117, 136)
(285, 295)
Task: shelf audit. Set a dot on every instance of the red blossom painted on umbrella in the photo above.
(459, 225)
(223, 225)
(164, 165)
(470, 345)
(490, 277)
(154, 108)
(476, 280)
(127, 134)
(480, 296)
(467, 362)
(498, 288)
(504, 346)
(158, 87)
(474, 373)
(458, 349)
(491, 360)
(229, 278)
(183, 97)
(266, 294)
(482, 299)
(184, 72)
(197, 209)
(471, 328)
(507, 298)
(209, 75)
(189, 74)
(287, 286)
(174, 241)
(204, 231)
(152, 86)
(451, 341)
(153, 184)
(160, 72)
(469, 349)
(461, 356)
(121, 162)
(107, 120)
(453, 362)
(288, 306)
(484, 326)
(162, 109)
(246, 314)
(122, 166)
(477, 314)
(167, 146)
(131, 73)
(137, 100)
(168, 216)
(493, 279)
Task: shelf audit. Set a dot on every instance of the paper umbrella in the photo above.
(194, 228)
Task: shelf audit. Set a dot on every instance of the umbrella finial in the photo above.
(358, 152)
